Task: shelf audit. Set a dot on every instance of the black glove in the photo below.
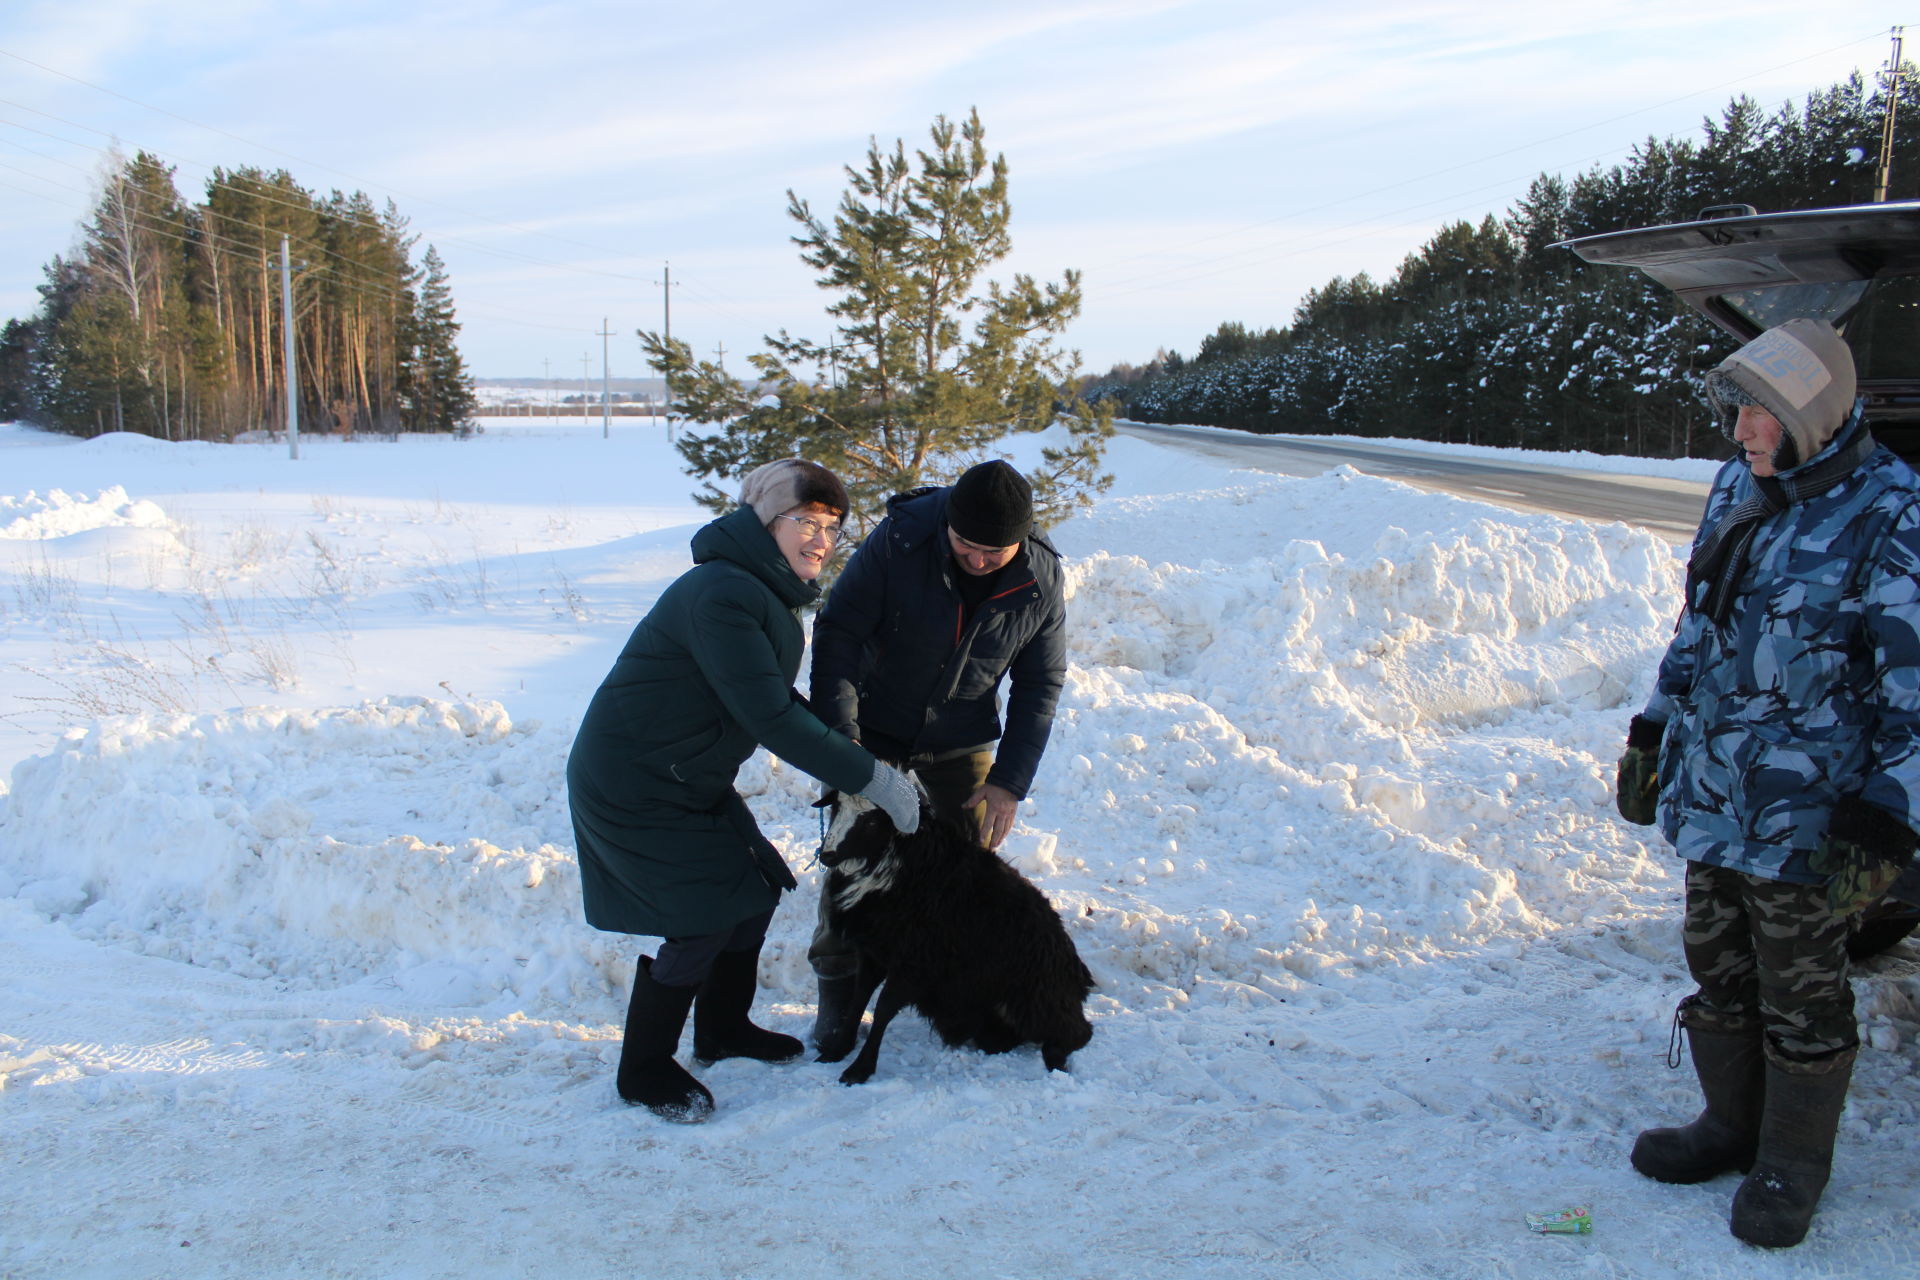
(1636, 789)
(1862, 854)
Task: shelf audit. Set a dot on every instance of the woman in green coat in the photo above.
(667, 847)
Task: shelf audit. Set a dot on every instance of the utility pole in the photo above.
(584, 360)
(606, 400)
(546, 376)
(286, 333)
(1890, 81)
(720, 353)
(666, 294)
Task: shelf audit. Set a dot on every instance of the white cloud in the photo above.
(1204, 158)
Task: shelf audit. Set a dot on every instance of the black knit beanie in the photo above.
(991, 505)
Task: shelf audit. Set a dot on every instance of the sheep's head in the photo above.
(858, 829)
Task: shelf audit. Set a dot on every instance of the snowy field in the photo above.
(294, 981)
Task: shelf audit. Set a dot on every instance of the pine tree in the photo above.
(247, 211)
(167, 318)
(928, 365)
(1497, 334)
(19, 342)
(135, 251)
(435, 392)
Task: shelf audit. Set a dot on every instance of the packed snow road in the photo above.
(1667, 505)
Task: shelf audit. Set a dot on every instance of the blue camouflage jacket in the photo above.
(1811, 691)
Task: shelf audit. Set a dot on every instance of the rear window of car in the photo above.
(1880, 318)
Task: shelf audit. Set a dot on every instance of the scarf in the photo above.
(1720, 556)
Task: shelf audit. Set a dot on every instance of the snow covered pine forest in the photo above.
(295, 983)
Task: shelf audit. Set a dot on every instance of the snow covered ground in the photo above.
(294, 982)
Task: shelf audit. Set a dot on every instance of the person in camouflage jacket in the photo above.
(1780, 754)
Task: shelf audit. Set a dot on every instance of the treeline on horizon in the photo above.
(1489, 335)
(165, 319)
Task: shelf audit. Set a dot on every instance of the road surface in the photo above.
(1670, 508)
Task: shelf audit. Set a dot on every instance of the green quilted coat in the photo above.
(666, 845)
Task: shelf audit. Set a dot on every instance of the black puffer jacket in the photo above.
(892, 659)
(666, 846)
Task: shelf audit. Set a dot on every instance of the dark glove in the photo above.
(1862, 854)
(1636, 789)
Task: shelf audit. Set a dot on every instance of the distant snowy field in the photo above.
(294, 981)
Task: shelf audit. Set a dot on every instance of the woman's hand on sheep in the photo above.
(896, 793)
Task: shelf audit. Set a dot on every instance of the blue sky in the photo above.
(1198, 162)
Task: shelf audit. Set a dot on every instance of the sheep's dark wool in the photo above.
(943, 925)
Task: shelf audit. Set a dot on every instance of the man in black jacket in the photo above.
(952, 592)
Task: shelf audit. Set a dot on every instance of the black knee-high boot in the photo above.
(1774, 1206)
(649, 1077)
(722, 1025)
(1722, 1138)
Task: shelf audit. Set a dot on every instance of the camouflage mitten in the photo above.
(1636, 791)
(1862, 854)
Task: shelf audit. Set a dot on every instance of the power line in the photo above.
(267, 195)
(1239, 258)
(205, 234)
(1148, 279)
(713, 302)
(1512, 150)
(38, 195)
(317, 165)
(225, 179)
(152, 227)
(28, 173)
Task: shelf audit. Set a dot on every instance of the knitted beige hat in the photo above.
(779, 487)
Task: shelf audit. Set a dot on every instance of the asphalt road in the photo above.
(1670, 508)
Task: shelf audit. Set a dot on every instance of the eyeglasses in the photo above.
(812, 528)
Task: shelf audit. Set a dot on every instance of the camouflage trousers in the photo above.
(1773, 951)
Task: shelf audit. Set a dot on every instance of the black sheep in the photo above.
(942, 924)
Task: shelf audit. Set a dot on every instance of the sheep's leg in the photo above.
(892, 1001)
(872, 974)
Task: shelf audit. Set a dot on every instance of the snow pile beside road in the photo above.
(1304, 760)
(1310, 758)
(320, 847)
(56, 514)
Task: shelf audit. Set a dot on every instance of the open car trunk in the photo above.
(1857, 268)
